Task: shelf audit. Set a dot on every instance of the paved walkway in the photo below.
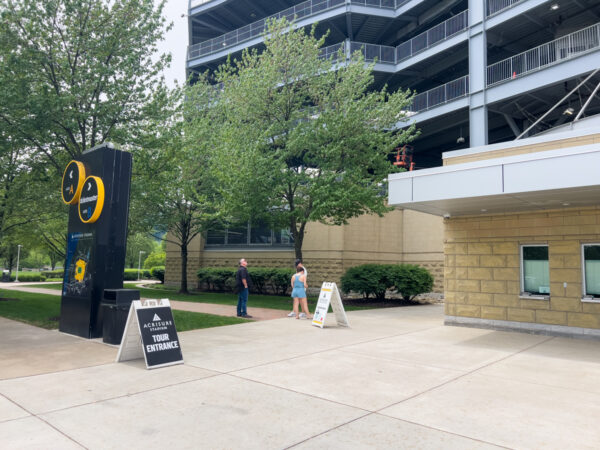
(398, 378)
(208, 308)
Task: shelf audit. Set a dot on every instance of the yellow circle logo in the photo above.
(72, 182)
(92, 199)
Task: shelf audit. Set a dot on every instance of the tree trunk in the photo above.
(183, 289)
(298, 247)
(298, 235)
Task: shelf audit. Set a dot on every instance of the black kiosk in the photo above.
(96, 186)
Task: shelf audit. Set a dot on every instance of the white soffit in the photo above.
(551, 179)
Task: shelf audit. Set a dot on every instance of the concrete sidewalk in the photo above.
(208, 308)
(397, 379)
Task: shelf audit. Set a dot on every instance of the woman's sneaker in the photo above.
(302, 316)
(292, 314)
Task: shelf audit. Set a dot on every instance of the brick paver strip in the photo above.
(208, 308)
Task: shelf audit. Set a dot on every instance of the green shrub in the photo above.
(411, 280)
(375, 279)
(132, 274)
(263, 280)
(54, 273)
(155, 259)
(280, 281)
(29, 276)
(158, 272)
(217, 279)
(368, 280)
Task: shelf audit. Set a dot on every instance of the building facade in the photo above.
(328, 251)
(484, 72)
(521, 230)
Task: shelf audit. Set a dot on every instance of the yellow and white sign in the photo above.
(330, 295)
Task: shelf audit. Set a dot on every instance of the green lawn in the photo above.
(43, 310)
(254, 300)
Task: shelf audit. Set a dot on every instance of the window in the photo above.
(591, 270)
(257, 234)
(535, 271)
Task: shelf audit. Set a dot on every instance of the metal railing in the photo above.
(432, 36)
(383, 4)
(495, 6)
(332, 51)
(255, 29)
(394, 55)
(372, 52)
(442, 94)
(554, 52)
(194, 3)
(300, 11)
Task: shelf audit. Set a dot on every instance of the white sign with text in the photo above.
(330, 295)
(150, 333)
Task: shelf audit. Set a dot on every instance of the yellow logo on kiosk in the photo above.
(80, 266)
(72, 182)
(88, 192)
(92, 199)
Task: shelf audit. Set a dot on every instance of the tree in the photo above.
(302, 138)
(156, 258)
(180, 195)
(136, 243)
(76, 73)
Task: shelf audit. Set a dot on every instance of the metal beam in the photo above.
(511, 123)
(558, 103)
(349, 26)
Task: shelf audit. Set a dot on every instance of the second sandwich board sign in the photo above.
(330, 295)
(150, 333)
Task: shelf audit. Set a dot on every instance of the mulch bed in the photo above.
(387, 303)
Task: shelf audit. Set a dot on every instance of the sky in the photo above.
(176, 40)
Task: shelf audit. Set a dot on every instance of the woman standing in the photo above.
(299, 287)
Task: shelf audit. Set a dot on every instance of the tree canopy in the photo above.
(299, 138)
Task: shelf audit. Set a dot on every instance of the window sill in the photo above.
(534, 297)
(590, 300)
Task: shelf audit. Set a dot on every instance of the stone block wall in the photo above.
(482, 267)
(328, 251)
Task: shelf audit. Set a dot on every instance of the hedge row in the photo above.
(132, 274)
(129, 274)
(408, 280)
(263, 280)
(32, 276)
(158, 273)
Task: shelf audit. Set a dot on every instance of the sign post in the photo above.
(330, 295)
(96, 186)
(150, 332)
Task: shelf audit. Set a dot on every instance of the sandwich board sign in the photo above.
(330, 295)
(150, 333)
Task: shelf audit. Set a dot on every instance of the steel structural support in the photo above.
(478, 111)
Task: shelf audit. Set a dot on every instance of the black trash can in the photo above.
(115, 308)
(5, 276)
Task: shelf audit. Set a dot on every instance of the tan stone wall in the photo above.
(328, 251)
(521, 150)
(482, 266)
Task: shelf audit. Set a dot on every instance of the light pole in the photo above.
(18, 255)
(140, 263)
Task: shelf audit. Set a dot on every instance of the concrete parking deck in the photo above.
(398, 378)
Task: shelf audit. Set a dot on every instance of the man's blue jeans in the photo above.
(242, 300)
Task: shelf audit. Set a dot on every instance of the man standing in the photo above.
(298, 263)
(241, 280)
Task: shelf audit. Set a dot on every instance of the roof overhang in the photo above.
(567, 177)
